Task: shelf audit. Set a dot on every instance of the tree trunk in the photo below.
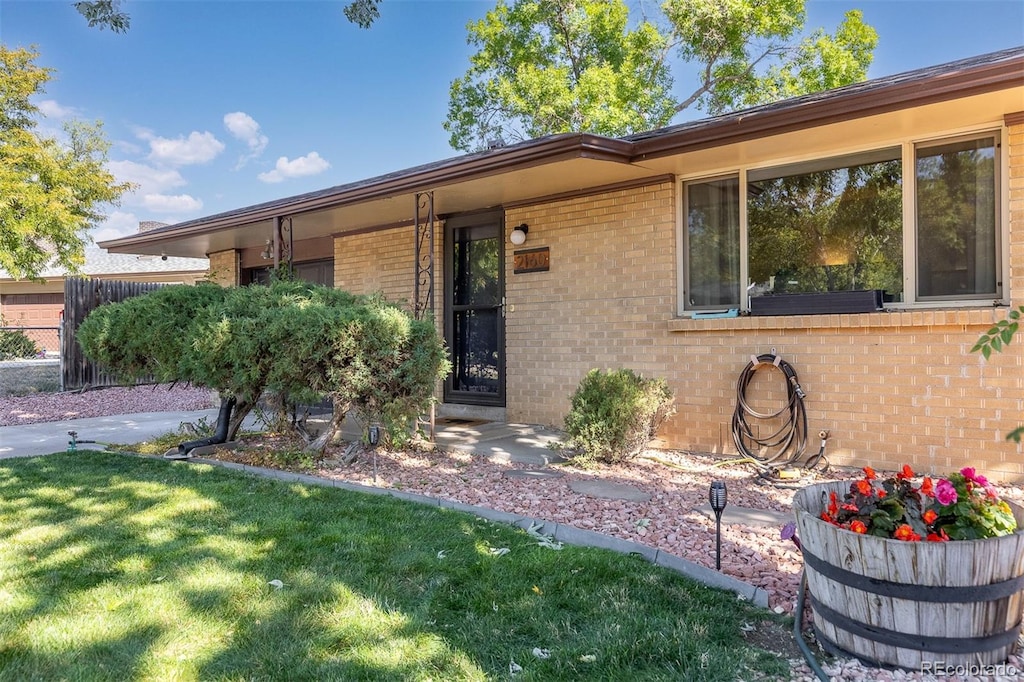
(332, 430)
(242, 410)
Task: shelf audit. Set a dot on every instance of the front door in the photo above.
(474, 317)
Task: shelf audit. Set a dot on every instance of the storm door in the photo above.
(474, 318)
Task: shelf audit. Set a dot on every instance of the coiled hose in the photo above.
(785, 445)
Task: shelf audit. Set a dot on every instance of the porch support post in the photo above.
(423, 285)
(276, 230)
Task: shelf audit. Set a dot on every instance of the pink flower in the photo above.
(971, 475)
(945, 493)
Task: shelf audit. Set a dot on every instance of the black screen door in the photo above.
(474, 319)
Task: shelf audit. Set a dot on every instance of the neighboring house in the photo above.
(911, 185)
(27, 303)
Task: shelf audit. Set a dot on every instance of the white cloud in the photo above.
(182, 151)
(245, 128)
(171, 203)
(52, 109)
(118, 224)
(310, 164)
(150, 180)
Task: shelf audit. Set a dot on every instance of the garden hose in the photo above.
(785, 446)
(798, 619)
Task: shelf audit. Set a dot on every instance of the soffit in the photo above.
(454, 197)
(919, 123)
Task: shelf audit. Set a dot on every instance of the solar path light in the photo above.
(717, 496)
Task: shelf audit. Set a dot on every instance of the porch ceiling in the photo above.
(556, 177)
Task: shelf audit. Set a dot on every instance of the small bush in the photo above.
(614, 414)
(14, 345)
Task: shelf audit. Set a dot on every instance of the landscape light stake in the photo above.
(373, 437)
(717, 496)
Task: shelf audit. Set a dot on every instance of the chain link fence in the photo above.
(30, 360)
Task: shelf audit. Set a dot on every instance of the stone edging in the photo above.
(558, 531)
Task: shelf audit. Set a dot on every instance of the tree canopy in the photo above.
(51, 191)
(109, 13)
(555, 66)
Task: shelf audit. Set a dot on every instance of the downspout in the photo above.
(221, 435)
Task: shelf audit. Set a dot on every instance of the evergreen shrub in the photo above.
(614, 414)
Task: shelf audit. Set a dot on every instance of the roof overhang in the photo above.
(563, 164)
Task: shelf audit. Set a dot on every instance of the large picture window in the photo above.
(838, 224)
(833, 225)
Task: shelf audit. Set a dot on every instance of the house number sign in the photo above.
(531, 260)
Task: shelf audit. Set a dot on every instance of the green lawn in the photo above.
(116, 568)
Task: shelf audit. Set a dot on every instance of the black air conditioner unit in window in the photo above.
(866, 301)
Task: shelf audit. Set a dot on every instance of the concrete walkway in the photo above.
(29, 440)
(518, 443)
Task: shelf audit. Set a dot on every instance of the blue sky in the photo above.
(212, 106)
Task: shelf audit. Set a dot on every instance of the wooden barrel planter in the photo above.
(895, 603)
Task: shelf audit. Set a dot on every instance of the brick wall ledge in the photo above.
(956, 317)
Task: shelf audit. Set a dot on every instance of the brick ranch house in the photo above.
(651, 252)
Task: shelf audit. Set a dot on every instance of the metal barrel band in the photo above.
(931, 644)
(964, 594)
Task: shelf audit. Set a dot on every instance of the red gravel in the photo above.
(102, 402)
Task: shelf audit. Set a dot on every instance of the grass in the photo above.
(116, 568)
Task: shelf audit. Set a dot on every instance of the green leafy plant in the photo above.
(14, 345)
(997, 338)
(294, 340)
(614, 414)
(961, 506)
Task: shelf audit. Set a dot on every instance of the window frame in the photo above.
(909, 147)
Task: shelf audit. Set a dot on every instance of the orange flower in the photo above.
(927, 487)
(938, 537)
(833, 504)
(857, 526)
(929, 516)
(881, 493)
(905, 473)
(905, 532)
(869, 473)
(864, 487)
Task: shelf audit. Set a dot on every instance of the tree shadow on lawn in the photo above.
(123, 568)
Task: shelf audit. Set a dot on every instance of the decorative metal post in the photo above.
(423, 286)
(423, 292)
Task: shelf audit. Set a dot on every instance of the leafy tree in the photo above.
(108, 13)
(50, 191)
(555, 66)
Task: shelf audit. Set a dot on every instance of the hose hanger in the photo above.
(784, 440)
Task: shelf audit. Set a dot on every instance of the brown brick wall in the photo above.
(891, 388)
(224, 268)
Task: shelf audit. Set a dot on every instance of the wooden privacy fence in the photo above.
(81, 297)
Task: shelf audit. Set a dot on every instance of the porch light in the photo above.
(717, 496)
(518, 236)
